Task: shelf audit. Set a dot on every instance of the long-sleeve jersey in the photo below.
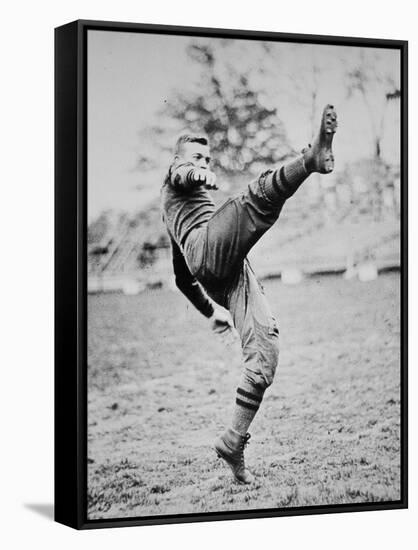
(185, 206)
(188, 284)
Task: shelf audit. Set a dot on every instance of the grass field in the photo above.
(161, 387)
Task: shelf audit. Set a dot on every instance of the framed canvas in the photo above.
(231, 259)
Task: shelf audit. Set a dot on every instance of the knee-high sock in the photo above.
(284, 182)
(247, 403)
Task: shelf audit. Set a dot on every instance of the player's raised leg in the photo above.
(317, 157)
(235, 227)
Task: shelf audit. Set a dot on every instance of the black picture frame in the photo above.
(71, 272)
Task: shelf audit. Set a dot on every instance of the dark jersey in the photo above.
(185, 207)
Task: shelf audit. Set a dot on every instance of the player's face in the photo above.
(196, 153)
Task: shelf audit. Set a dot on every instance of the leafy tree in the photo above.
(245, 132)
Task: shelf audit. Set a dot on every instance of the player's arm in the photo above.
(186, 176)
(188, 284)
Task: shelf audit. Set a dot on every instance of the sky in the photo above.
(131, 75)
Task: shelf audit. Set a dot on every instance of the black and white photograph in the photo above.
(244, 269)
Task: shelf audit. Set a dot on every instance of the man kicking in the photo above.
(210, 248)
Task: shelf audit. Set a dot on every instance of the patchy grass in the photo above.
(161, 387)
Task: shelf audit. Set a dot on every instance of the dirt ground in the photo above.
(161, 387)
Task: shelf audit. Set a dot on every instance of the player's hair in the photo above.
(189, 138)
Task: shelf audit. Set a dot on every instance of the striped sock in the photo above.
(247, 403)
(283, 183)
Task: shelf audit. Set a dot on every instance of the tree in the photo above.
(377, 82)
(246, 134)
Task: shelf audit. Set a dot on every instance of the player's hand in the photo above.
(221, 321)
(205, 178)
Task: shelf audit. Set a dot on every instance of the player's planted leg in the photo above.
(259, 335)
(230, 447)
